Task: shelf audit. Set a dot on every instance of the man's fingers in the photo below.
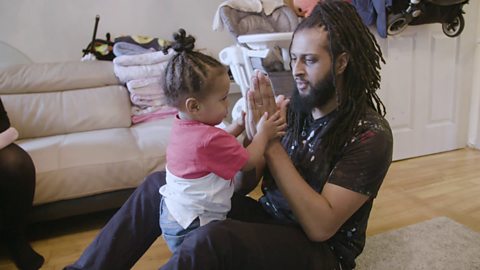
(266, 92)
(263, 118)
(252, 103)
(279, 99)
(255, 86)
(249, 100)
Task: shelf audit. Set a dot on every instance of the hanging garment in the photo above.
(374, 12)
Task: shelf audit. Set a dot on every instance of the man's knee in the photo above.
(211, 246)
(210, 236)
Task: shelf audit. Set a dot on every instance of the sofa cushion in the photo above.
(54, 113)
(51, 77)
(87, 163)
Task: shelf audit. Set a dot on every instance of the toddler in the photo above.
(201, 158)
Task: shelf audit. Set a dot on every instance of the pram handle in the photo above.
(266, 40)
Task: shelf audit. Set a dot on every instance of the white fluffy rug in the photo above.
(439, 244)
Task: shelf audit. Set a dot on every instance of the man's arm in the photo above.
(320, 215)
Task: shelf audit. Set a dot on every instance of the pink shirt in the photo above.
(200, 161)
(197, 149)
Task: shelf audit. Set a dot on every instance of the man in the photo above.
(319, 180)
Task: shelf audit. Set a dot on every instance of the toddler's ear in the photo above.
(192, 105)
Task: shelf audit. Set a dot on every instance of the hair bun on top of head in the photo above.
(182, 42)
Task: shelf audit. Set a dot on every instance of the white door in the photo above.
(426, 85)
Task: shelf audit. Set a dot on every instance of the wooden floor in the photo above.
(446, 184)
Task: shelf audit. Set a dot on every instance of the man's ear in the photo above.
(341, 63)
(192, 105)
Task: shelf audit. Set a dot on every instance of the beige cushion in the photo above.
(87, 163)
(74, 119)
(54, 113)
(51, 77)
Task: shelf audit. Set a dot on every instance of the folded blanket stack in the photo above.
(139, 66)
(143, 74)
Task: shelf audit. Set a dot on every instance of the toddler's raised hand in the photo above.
(271, 126)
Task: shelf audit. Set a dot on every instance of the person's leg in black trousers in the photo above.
(129, 233)
(17, 187)
(134, 227)
(234, 244)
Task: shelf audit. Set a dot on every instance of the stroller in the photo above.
(414, 12)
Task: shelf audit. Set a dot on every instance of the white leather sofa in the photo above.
(74, 120)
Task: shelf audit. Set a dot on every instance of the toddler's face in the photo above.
(214, 107)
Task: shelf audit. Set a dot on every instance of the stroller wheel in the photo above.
(396, 24)
(455, 27)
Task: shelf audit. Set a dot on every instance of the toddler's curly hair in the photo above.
(188, 70)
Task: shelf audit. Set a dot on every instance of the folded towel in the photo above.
(268, 6)
(135, 97)
(125, 48)
(145, 103)
(8, 136)
(160, 113)
(143, 59)
(146, 86)
(128, 73)
(140, 110)
(148, 99)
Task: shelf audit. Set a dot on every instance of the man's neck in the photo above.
(325, 109)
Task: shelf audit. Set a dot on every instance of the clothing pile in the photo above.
(131, 45)
(142, 70)
(374, 12)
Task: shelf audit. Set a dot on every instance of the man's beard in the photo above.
(320, 93)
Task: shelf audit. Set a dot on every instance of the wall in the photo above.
(58, 30)
(474, 124)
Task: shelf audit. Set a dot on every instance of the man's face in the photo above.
(311, 69)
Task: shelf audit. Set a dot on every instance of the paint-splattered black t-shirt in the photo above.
(360, 166)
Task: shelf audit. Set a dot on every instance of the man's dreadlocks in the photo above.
(348, 34)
